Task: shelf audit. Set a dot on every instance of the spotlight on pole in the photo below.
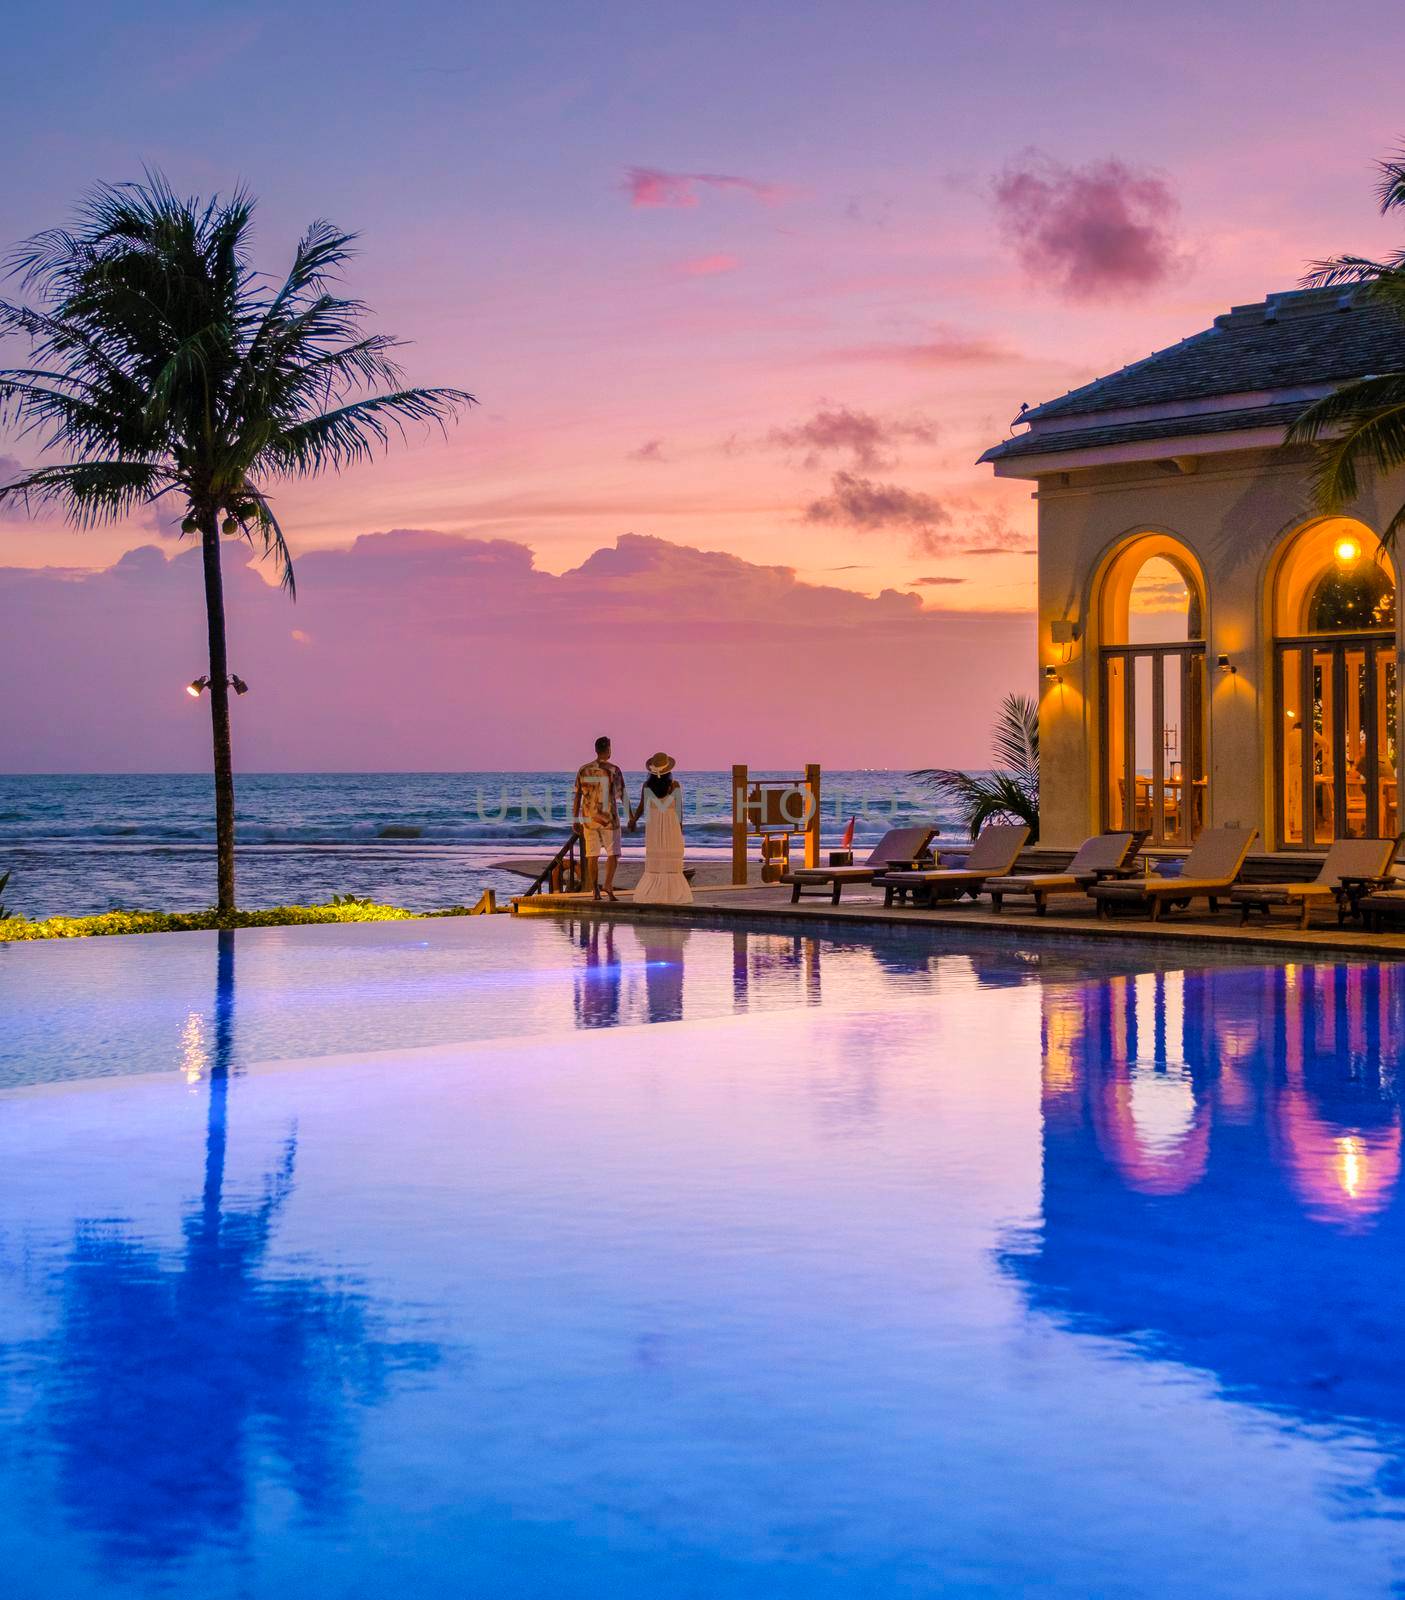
(237, 684)
(196, 687)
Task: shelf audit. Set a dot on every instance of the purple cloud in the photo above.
(652, 186)
(1104, 228)
(478, 650)
(650, 450)
(855, 502)
(869, 439)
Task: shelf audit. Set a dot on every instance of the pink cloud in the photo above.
(478, 661)
(650, 450)
(1104, 228)
(651, 186)
(855, 502)
(707, 266)
(946, 348)
(869, 439)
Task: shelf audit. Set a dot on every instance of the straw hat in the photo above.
(659, 763)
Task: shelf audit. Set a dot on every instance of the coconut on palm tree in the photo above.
(1009, 792)
(1361, 424)
(164, 367)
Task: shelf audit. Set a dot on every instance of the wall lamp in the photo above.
(1225, 664)
(197, 686)
(1051, 675)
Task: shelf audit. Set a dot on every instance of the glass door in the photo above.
(1153, 740)
(1337, 704)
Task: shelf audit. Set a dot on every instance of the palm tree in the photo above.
(1011, 791)
(1363, 422)
(163, 364)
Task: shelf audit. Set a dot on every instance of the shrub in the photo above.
(343, 908)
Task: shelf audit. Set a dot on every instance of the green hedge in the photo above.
(114, 922)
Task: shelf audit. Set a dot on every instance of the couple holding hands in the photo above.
(596, 804)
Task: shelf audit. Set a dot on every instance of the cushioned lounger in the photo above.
(1104, 852)
(993, 855)
(1383, 905)
(898, 844)
(1347, 858)
(1215, 861)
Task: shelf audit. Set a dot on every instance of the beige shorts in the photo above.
(600, 841)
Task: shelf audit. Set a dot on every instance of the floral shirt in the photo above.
(599, 795)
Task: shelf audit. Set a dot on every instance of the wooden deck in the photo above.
(1068, 917)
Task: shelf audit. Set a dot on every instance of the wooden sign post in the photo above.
(739, 821)
(775, 811)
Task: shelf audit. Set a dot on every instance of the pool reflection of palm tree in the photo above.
(177, 1382)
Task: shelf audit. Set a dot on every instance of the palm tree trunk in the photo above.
(219, 712)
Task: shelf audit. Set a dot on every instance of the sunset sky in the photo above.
(755, 281)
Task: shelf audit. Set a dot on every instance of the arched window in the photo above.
(1152, 664)
(1335, 686)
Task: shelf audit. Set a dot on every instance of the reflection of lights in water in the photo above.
(1346, 1176)
(1350, 1164)
(1162, 1106)
(1151, 1127)
(1063, 1031)
(194, 1056)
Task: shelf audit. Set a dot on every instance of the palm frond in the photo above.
(1011, 792)
(1390, 190)
(90, 492)
(350, 433)
(1015, 738)
(1362, 423)
(274, 544)
(978, 797)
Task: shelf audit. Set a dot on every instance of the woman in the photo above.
(661, 805)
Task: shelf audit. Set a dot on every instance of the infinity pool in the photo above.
(534, 1260)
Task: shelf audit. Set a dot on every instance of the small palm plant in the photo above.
(1009, 793)
(1362, 423)
(164, 364)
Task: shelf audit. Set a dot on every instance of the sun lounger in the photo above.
(1381, 906)
(993, 855)
(1215, 861)
(1103, 853)
(897, 845)
(1347, 858)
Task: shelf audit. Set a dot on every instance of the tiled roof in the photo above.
(1040, 443)
(1289, 340)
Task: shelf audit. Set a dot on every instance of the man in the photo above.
(595, 813)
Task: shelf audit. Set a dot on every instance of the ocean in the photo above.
(76, 844)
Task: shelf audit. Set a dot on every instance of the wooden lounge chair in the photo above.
(1215, 861)
(897, 845)
(1347, 858)
(1381, 906)
(1104, 852)
(993, 855)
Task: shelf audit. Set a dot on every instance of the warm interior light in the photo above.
(1347, 551)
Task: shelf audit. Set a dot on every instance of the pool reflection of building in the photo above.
(1221, 1177)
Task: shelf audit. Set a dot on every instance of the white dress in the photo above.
(662, 882)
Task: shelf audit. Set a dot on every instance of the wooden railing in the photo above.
(563, 874)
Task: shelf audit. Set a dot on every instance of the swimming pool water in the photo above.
(921, 1266)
